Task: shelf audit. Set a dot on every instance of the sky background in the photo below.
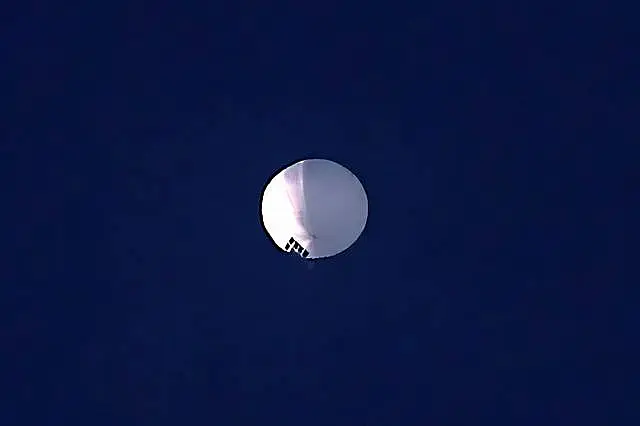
(138, 287)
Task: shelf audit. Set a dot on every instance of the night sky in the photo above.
(138, 286)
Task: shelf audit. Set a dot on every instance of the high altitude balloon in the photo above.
(315, 207)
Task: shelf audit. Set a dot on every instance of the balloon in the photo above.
(316, 208)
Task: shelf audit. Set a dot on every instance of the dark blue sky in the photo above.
(138, 287)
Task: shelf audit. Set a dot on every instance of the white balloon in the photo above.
(314, 207)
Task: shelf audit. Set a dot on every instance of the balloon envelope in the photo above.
(315, 207)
